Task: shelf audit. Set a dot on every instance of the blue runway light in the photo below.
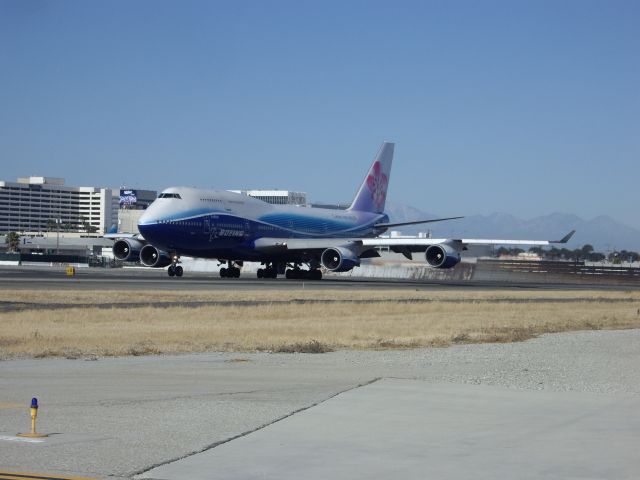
(34, 415)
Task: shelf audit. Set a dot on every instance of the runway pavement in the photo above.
(412, 429)
(33, 277)
(559, 406)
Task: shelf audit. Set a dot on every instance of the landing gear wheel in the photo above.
(269, 272)
(223, 272)
(171, 271)
(178, 270)
(300, 274)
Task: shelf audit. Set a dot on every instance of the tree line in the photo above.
(79, 224)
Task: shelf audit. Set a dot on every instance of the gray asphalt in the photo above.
(464, 408)
(33, 277)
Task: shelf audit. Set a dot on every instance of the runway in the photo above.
(33, 278)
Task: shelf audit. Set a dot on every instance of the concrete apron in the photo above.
(414, 429)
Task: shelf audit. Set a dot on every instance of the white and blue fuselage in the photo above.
(225, 225)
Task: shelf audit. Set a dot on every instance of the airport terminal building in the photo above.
(34, 205)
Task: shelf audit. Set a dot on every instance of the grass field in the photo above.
(90, 323)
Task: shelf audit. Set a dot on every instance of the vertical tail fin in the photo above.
(372, 194)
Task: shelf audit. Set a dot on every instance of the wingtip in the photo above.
(566, 238)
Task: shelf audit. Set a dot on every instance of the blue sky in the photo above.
(519, 107)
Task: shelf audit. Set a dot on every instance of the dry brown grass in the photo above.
(389, 323)
(124, 296)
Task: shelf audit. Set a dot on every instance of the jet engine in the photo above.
(127, 249)
(339, 259)
(442, 256)
(150, 256)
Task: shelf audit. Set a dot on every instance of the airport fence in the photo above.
(531, 270)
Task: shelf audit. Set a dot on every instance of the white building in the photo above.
(35, 205)
(276, 197)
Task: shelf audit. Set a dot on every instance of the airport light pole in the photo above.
(57, 236)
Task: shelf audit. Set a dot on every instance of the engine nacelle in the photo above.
(150, 256)
(127, 249)
(339, 259)
(442, 256)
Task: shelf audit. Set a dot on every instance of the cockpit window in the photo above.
(169, 195)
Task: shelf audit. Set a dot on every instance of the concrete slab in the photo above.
(414, 429)
(116, 417)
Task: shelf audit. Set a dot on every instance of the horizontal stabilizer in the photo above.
(389, 225)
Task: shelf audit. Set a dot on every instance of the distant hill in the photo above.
(603, 232)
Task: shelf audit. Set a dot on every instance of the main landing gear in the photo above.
(299, 274)
(273, 269)
(175, 270)
(232, 271)
(268, 272)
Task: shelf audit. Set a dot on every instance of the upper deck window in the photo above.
(169, 195)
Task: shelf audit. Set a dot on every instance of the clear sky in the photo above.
(512, 106)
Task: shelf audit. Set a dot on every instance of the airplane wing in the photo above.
(440, 252)
(439, 249)
(422, 244)
(118, 236)
(266, 244)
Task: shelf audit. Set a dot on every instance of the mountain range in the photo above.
(603, 232)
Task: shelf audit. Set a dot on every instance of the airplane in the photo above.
(235, 228)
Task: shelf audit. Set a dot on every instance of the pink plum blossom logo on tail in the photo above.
(377, 183)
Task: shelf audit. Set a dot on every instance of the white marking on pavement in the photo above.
(21, 439)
